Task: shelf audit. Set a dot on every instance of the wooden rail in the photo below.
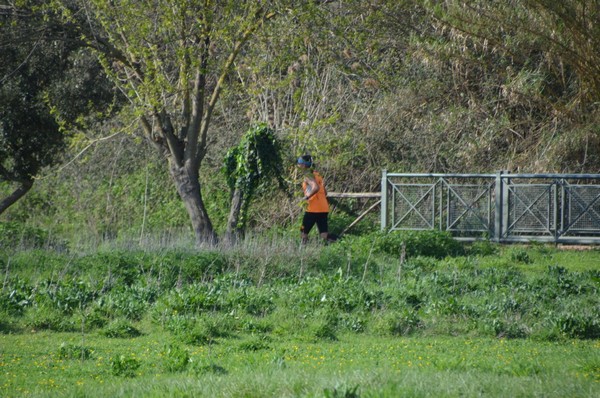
(357, 195)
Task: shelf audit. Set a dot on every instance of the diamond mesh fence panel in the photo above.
(531, 209)
(413, 206)
(583, 209)
(469, 208)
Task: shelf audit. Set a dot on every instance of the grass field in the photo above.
(37, 365)
(271, 319)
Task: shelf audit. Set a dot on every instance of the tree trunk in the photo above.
(16, 195)
(188, 188)
(233, 229)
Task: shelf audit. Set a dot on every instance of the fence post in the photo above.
(383, 199)
(506, 184)
(498, 202)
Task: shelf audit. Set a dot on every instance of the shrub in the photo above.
(325, 330)
(43, 317)
(68, 295)
(508, 328)
(482, 248)
(520, 256)
(353, 322)
(174, 358)
(335, 293)
(419, 243)
(121, 328)
(17, 298)
(255, 344)
(341, 392)
(6, 323)
(13, 235)
(198, 335)
(578, 326)
(202, 369)
(199, 266)
(130, 302)
(92, 318)
(179, 324)
(125, 366)
(209, 328)
(74, 351)
(253, 325)
(398, 323)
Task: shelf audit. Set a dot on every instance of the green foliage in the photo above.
(58, 86)
(342, 392)
(125, 365)
(350, 286)
(333, 293)
(482, 248)
(75, 351)
(396, 323)
(122, 329)
(210, 369)
(174, 358)
(127, 302)
(67, 296)
(255, 160)
(434, 244)
(15, 300)
(420, 243)
(461, 313)
(520, 256)
(14, 235)
(255, 344)
(250, 165)
(584, 325)
(48, 318)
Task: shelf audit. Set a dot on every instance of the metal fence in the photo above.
(560, 208)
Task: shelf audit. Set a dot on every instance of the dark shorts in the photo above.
(310, 219)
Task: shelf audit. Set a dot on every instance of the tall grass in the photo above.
(398, 284)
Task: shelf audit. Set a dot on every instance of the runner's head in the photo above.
(305, 161)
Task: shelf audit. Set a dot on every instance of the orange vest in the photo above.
(318, 202)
